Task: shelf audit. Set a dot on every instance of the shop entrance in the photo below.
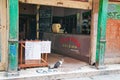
(71, 42)
(68, 29)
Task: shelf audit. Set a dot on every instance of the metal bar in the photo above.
(21, 54)
(45, 56)
(37, 21)
(101, 33)
(13, 38)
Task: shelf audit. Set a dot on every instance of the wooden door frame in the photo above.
(61, 3)
(3, 27)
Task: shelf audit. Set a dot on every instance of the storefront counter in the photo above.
(76, 46)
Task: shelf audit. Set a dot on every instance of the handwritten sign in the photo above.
(33, 50)
(46, 47)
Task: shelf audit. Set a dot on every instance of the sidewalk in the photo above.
(99, 77)
(46, 74)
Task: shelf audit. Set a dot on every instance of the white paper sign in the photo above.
(32, 50)
(46, 47)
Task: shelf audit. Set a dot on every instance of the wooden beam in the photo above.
(91, 3)
(61, 3)
(3, 38)
(94, 22)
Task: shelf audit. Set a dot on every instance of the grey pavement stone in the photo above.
(112, 72)
(105, 77)
(116, 76)
(79, 79)
(101, 77)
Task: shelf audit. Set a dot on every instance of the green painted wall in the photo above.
(13, 18)
(13, 35)
(101, 33)
(13, 59)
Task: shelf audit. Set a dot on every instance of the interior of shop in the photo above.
(54, 23)
(72, 21)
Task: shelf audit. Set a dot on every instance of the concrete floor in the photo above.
(69, 63)
(71, 68)
(85, 71)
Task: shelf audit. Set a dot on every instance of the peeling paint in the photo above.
(12, 56)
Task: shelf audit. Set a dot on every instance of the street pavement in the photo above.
(111, 72)
(100, 77)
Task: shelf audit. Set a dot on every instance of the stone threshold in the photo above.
(57, 74)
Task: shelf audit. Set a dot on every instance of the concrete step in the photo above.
(57, 74)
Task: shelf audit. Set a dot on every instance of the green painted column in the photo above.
(13, 37)
(101, 33)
